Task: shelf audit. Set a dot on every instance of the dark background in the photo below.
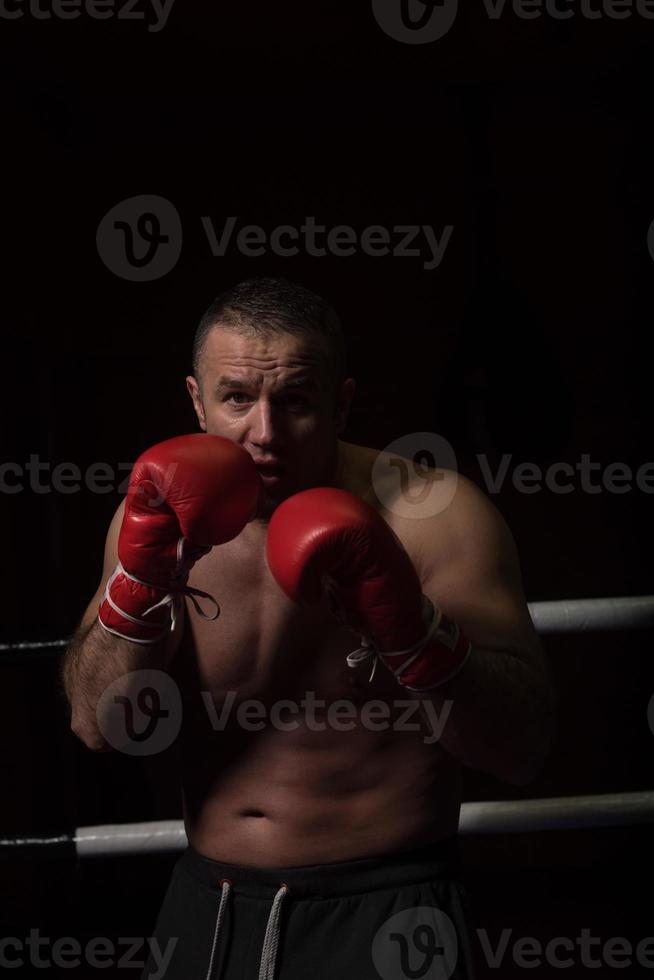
(533, 138)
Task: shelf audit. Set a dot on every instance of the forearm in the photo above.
(96, 659)
(498, 715)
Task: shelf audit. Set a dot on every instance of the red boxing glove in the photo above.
(185, 495)
(328, 539)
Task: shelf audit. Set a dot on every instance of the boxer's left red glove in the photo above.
(327, 539)
(185, 495)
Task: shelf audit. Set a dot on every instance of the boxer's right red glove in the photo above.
(327, 539)
(185, 495)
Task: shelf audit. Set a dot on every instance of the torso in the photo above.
(283, 798)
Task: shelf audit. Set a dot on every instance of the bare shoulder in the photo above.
(460, 545)
(419, 502)
(448, 525)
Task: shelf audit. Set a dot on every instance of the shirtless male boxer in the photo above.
(318, 841)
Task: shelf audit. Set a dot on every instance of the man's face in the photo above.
(274, 396)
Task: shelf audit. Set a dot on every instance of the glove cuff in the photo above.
(434, 659)
(129, 602)
(442, 656)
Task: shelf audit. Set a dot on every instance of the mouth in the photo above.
(270, 473)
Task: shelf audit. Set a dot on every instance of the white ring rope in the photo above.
(513, 816)
(584, 615)
(555, 616)
(498, 817)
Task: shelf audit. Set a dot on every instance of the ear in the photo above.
(194, 391)
(343, 402)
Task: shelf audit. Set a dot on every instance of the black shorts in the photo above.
(393, 917)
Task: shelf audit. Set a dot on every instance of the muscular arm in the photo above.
(96, 658)
(498, 715)
(500, 707)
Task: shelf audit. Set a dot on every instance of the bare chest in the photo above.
(263, 644)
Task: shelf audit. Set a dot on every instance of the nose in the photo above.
(263, 424)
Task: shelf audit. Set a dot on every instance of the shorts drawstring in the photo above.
(225, 888)
(270, 939)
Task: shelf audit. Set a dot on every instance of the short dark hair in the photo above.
(266, 305)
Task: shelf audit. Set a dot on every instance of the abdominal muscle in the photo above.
(287, 805)
(291, 789)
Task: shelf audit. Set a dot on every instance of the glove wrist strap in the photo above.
(135, 627)
(435, 658)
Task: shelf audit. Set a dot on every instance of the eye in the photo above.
(236, 394)
(297, 405)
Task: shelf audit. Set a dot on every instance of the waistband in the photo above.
(440, 859)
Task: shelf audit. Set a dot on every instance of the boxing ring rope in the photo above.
(494, 817)
(584, 615)
(503, 817)
(551, 616)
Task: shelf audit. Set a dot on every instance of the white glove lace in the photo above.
(172, 598)
(368, 650)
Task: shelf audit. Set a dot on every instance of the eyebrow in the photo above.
(302, 381)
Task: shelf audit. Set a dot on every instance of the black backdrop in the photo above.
(532, 139)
